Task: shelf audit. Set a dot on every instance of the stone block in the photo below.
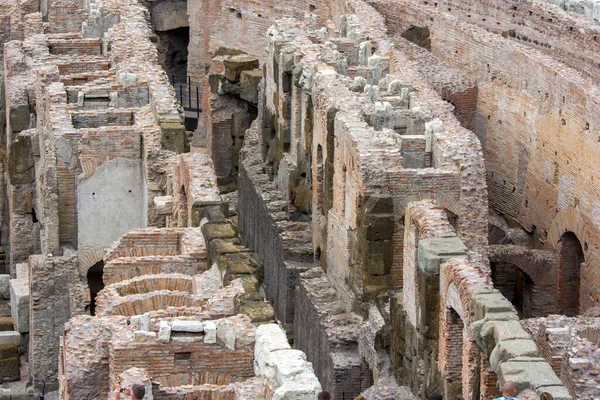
(234, 66)
(532, 373)
(144, 336)
(164, 332)
(163, 205)
(8, 351)
(433, 252)
(288, 364)
(141, 322)
(182, 325)
(294, 376)
(490, 303)
(557, 392)
(23, 271)
(249, 82)
(226, 334)
(494, 332)
(5, 286)
(10, 337)
(210, 332)
(19, 117)
(6, 324)
(213, 231)
(174, 136)
(20, 163)
(19, 304)
(269, 338)
(10, 369)
(509, 349)
(258, 311)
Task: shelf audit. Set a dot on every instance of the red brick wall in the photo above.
(159, 358)
(65, 15)
(243, 24)
(540, 125)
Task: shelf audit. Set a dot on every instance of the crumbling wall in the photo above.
(57, 293)
(242, 25)
(539, 183)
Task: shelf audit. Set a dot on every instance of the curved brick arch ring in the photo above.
(539, 265)
(568, 221)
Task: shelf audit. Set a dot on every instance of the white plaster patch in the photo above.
(111, 203)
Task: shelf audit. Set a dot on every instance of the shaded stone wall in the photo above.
(242, 25)
(539, 181)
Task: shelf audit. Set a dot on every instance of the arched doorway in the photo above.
(515, 285)
(95, 283)
(570, 258)
(454, 332)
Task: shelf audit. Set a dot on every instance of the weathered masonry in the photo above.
(240, 199)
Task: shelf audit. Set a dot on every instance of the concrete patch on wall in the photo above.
(111, 202)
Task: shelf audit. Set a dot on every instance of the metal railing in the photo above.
(188, 95)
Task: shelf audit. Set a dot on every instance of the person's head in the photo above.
(324, 395)
(546, 396)
(435, 396)
(138, 392)
(509, 389)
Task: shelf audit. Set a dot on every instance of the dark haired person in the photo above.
(324, 395)
(137, 392)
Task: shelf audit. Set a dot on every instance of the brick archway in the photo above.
(537, 265)
(456, 350)
(568, 276)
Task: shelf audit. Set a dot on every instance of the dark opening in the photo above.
(452, 219)
(320, 182)
(173, 52)
(329, 170)
(568, 274)
(421, 36)
(183, 356)
(95, 283)
(515, 285)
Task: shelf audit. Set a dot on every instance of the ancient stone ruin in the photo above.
(245, 200)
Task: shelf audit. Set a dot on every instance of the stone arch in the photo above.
(457, 277)
(453, 346)
(532, 292)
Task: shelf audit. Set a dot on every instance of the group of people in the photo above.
(509, 392)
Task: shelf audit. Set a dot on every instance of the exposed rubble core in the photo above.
(239, 199)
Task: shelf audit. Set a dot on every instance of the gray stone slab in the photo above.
(19, 304)
(434, 252)
(10, 337)
(510, 349)
(5, 286)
